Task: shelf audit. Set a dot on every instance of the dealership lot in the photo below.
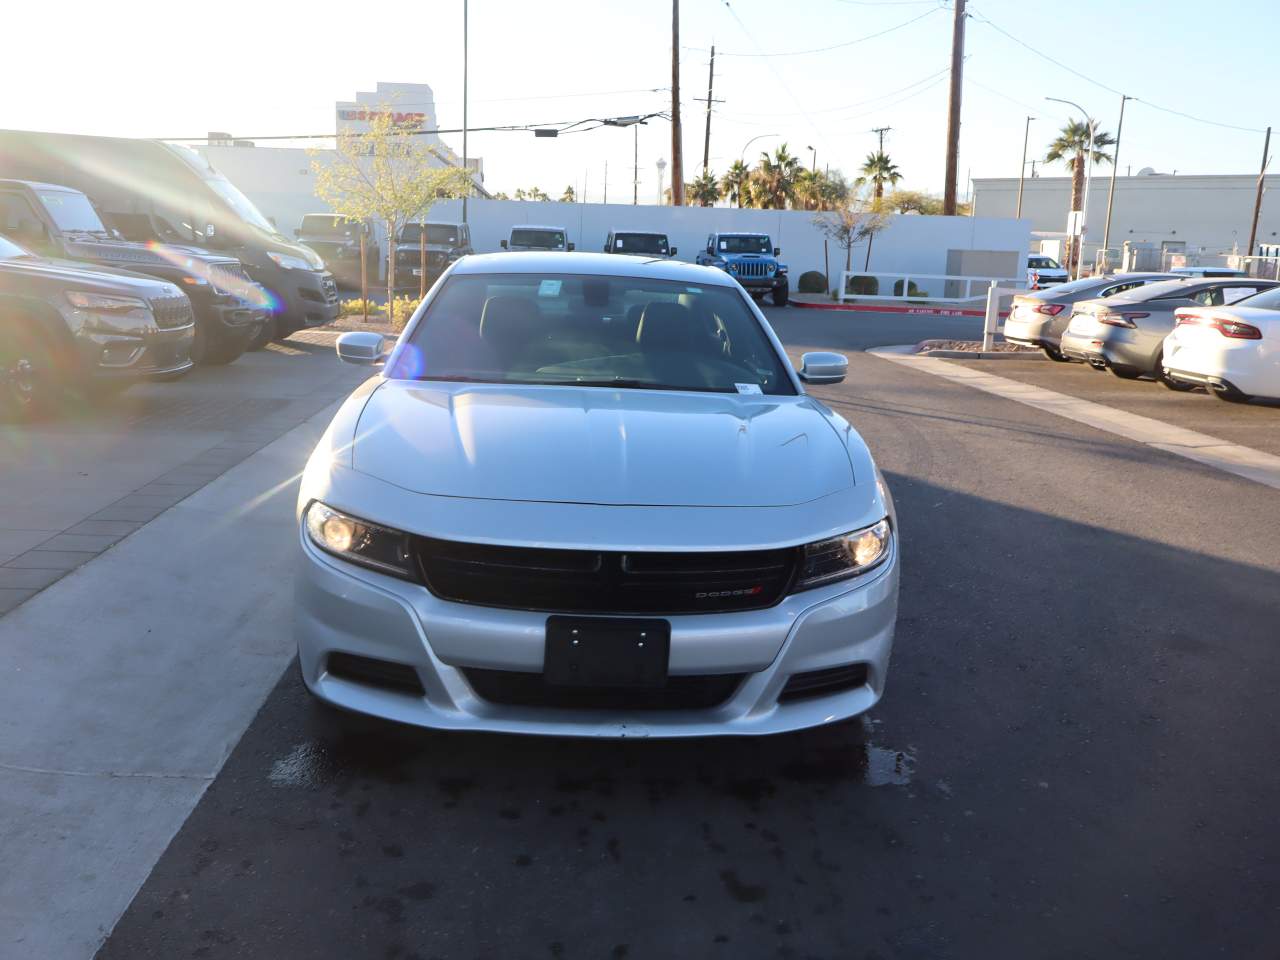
(1067, 755)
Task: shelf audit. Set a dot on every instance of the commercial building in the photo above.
(1202, 216)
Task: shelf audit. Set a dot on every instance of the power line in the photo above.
(982, 18)
(834, 46)
(846, 106)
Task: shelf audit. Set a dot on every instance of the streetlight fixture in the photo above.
(742, 156)
(815, 157)
(1088, 170)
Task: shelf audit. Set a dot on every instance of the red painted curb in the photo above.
(870, 308)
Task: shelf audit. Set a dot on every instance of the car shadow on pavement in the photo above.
(1069, 761)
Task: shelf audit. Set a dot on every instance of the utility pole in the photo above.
(706, 140)
(677, 151)
(464, 111)
(1257, 199)
(635, 170)
(1022, 170)
(881, 131)
(1111, 193)
(1033, 168)
(953, 114)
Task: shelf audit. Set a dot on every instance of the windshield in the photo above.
(72, 212)
(1043, 263)
(546, 239)
(317, 225)
(745, 245)
(593, 332)
(1267, 300)
(240, 204)
(653, 243)
(10, 250)
(442, 233)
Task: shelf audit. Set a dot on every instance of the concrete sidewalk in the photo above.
(124, 688)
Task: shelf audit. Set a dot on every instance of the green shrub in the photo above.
(813, 281)
(862, 287)
(912, 289)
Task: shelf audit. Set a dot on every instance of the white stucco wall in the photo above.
(1212, 212)
(281, 183)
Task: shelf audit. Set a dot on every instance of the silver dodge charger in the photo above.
(589, 496)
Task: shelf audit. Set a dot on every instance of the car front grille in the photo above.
(510, 688)
(171, 312)
(592, 581)
(753, 268)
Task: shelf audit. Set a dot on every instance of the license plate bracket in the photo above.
(607, 651)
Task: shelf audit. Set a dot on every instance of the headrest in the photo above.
(667, 326)
(508, 319)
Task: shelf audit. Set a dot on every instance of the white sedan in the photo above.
(588, 495)
(1233, 351)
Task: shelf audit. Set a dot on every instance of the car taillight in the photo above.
(1186, 319)
(1117, 319)
(1235, 329)
(1050, 309)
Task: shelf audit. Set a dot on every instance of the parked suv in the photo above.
(445, 243)
(639, 243)
(339, 241)
(752, 260)
(537, 238)
(61, 223)
(66, 324)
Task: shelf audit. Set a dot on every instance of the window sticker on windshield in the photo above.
(748, 387)
(618, 243)
(692, 289)
(549, 288)
(724, 244)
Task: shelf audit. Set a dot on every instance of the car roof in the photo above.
(592, 264)
(639, 233)
(741, 233)
(536, 226)
(38, 185)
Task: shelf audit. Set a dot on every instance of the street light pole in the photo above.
(1115, 165)
(1088, 170)
(464, 110)
(635, 170)
(1022, 170)
(815, 158)
(743, 156)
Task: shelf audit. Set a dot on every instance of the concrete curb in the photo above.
(890, 308)
(907, 351)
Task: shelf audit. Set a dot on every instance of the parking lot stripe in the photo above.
(1211, 451)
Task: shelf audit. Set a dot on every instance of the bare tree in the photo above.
(850, 223)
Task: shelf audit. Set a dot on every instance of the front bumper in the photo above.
(346, 609)
(775, 282)
(135, 356)
(303, 298)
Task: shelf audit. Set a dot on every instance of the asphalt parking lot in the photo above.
(1071, 759)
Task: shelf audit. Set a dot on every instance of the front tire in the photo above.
(27, 379)
(781, 295)
(266, 333)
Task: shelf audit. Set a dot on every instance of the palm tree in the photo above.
(1070, 147)
(733, 185)
(773, 180)
(704, 191)
(568, 196)
(879, 170)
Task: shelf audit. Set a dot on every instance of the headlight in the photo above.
(771, 267)
(286, 262)
(848, 555)
(359, 541)
(104, 302)
(733, 268)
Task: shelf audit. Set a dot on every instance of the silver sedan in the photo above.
(588, 495)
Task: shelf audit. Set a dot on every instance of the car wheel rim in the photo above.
(21, 382)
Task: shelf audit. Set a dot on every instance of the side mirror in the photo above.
(570, 246)
(502, 244)
(362, 347)
(672, 252)
(777, 251)
(819, 367)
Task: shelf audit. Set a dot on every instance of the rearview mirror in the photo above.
(820, 367)
(361, 347)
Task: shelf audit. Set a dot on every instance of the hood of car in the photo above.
(40, 274)
(126, 254)
(595, 445)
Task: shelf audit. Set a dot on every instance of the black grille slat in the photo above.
(591, 581)
(171, 312)
(512, 688)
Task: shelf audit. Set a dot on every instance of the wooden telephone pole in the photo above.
(706, 140)
(953, 115)
(677, 149)
(1257, 200)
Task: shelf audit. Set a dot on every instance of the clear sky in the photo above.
(159, 69)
